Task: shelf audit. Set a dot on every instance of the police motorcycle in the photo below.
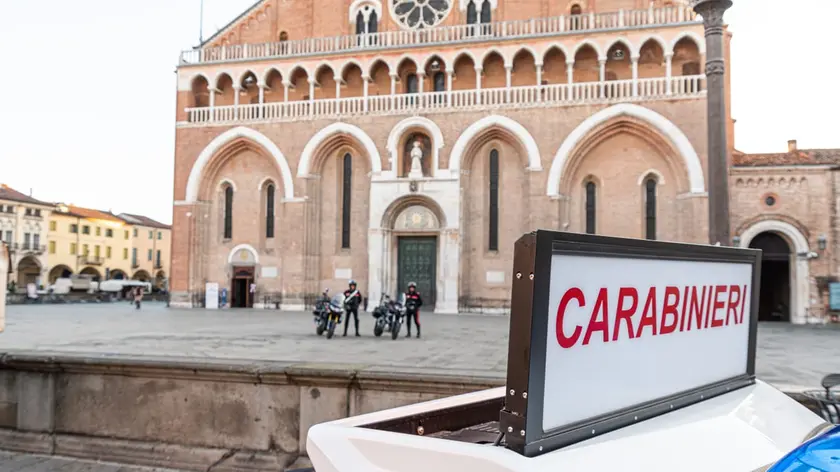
(328, 313)
(321, 312)
(389, 315)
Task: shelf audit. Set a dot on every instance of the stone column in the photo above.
(635, 61)
(366, 88)
(478, 72)
(602, 77)
(236, 90)
(712, 12)
(450, 262)
(376, 265)
(449, 75)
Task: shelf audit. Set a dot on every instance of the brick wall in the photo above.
(307, 244)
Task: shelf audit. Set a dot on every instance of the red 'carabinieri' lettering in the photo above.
(650, 312)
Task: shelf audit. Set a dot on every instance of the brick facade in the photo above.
(614, 106)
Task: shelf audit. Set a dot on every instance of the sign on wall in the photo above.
(606, 332)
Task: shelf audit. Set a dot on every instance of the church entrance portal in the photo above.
(774, 298)
(240, 290)
(417, 262)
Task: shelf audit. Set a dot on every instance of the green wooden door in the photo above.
(417, 262)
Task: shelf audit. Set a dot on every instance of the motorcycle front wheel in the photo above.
(378, 329)
(395, 330)
(321, 327)
(330, 330)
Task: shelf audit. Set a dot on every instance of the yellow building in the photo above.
(87, 241)
(151, 244)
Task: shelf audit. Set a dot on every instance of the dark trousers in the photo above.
(355, 313)
(416, 317)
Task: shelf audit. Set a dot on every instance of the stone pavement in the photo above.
(787, 355)
(11, 462)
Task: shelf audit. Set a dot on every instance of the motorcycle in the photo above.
(321, 312)
(388, 316)
(335, 308)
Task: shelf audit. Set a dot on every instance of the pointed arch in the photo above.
(241, 132)
(655, 38)
(621, 40)
(457, 57)
(587, 42)
(555, 45)
(522, 134)
(668, 130)
(304, 168)
(506, 59)
(698, 41)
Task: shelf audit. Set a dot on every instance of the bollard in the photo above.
(4, 271)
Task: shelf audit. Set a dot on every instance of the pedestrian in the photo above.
(138, 297)
(412, 295)
(352, 300)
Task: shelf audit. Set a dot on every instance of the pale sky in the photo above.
(88, 86)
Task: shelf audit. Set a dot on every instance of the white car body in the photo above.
(745, 430)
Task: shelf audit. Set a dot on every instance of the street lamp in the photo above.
(712, 12)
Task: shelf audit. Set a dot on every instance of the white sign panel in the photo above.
(344, 273)
(269, 272)
(211, 296)
(623, 331)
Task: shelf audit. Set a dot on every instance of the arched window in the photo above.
(360, 23)
(269, 211)
(493, 244)
(373, 22)
(590, 207)
(486, 12)
(576, 9)
(347, 181)
(650, 208)
(284, 36)
(411, 84)
(472, 13)
(228, 230)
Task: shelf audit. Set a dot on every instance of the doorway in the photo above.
(774, 299)
(240, 290)
(417, 262)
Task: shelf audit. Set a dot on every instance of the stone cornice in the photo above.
(254, 371)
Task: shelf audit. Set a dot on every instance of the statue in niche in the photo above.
(416, 171)
(416, 162)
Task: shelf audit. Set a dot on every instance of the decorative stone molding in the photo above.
(220, 141)
(304, 167)
(525, 139)
(399, 130)
(668, 129)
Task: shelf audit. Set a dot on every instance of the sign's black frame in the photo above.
(521, 419)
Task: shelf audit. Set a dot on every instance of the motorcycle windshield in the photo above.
(337, 301)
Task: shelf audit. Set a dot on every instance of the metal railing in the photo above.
(499, 30)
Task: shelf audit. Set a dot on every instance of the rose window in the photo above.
(418, 14)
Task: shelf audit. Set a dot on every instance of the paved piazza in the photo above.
(788, 356)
